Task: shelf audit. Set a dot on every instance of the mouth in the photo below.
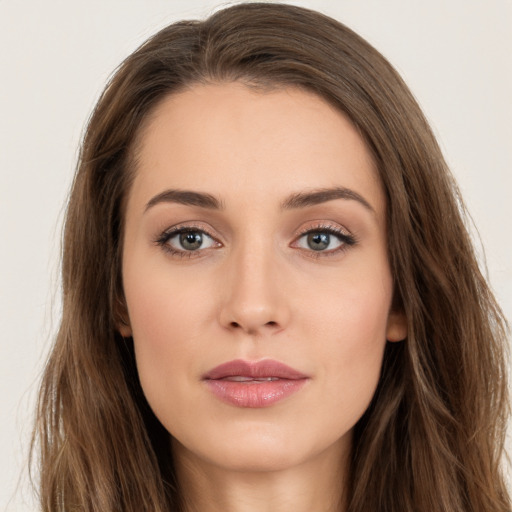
(254, 384)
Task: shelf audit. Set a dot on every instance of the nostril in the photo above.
(236, 325)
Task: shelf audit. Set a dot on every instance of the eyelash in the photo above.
(346, 240)
(164, 238)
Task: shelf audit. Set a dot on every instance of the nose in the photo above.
(254, 299)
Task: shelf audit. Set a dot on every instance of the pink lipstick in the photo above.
(254, 384)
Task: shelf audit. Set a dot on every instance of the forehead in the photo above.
(230, 140)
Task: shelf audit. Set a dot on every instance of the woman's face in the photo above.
(256, 278)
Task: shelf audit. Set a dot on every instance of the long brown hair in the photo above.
(433, 437)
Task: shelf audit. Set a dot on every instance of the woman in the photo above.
(270, 297)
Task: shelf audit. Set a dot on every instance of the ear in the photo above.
(122, 319)
(125, 330)
(396, 329)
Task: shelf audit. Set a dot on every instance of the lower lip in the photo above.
(254, 394)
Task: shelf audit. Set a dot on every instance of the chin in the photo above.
(257, 458)
(258, 448)
(266, 456)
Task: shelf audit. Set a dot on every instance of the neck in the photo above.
(317, 484)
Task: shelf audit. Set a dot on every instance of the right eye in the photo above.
(186, 240)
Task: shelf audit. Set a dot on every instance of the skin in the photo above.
(256, 290)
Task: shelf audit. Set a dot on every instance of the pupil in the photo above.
(318, 241)
(191, 241)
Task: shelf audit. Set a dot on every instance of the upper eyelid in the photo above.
(183, 227)
(323, 226)
(172, 233)
(317, 225)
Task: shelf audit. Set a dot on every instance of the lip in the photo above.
(254, 384)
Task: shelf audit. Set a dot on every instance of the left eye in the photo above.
(190, 240)
(321, 241)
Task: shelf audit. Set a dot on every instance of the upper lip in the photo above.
(254, 369)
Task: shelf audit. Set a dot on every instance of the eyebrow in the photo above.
(186, 197)
(322, 195)
(294, 201)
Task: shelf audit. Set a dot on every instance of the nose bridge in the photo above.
(253, 299)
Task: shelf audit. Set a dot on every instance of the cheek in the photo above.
(167, 319)
(159, 313)
(350, 333)
(352, 308)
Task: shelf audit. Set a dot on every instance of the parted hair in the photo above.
(433, 436)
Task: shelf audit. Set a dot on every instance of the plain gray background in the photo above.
(55, 57)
